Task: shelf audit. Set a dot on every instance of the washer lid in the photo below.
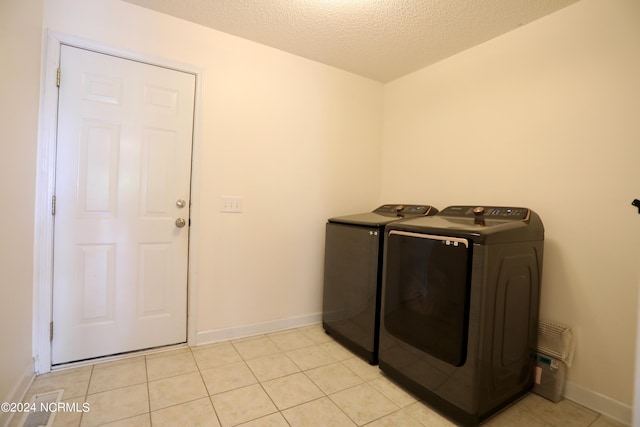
(483, 225)
(386, 214)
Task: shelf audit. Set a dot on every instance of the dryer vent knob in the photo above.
(479, 211)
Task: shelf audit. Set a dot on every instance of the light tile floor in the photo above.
(298, 377)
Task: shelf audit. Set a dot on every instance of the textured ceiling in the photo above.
(379, 39)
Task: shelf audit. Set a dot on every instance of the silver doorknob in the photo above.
(180, 222)
(181, 203)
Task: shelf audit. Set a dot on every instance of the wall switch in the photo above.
(231, 204)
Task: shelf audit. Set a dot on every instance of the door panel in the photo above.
(95, 275)
(123, 160)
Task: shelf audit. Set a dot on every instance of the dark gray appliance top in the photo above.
(480, 224)
(386, 214)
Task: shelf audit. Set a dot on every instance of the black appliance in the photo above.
(459, 313)
(353, 275)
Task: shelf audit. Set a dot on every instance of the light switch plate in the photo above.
(231, 204)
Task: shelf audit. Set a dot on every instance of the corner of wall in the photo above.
(598, 402)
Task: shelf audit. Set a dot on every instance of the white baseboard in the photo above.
(218, 335)
(599, 402)
(18, 391)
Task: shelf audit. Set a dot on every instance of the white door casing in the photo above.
(123, 162)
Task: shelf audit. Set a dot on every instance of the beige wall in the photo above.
(547, 117)
(298, 140)
(20, 41)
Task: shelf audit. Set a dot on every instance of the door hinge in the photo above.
(58, 77)
(53, 205)
(50, 331)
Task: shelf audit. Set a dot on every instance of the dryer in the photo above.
(459, 313)
(353, 275)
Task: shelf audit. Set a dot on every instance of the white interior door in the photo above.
(123, 168)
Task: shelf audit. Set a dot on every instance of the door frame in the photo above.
(45, 185)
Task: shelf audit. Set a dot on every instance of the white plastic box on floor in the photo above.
(549, 377)
(555, 354)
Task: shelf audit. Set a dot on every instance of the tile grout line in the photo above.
(86, 393)
(146, 376)
(328, 396)
(259, 382)
(325, 395)
(204, 383)
(300, 370)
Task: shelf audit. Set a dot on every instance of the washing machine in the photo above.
(353, 275)
(459, 313)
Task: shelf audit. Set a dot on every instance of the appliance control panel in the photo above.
(400, 209)
(488, 212)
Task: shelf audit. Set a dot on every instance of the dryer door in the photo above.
(351, 283)
(426, 294)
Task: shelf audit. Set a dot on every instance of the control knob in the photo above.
(477, 213)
